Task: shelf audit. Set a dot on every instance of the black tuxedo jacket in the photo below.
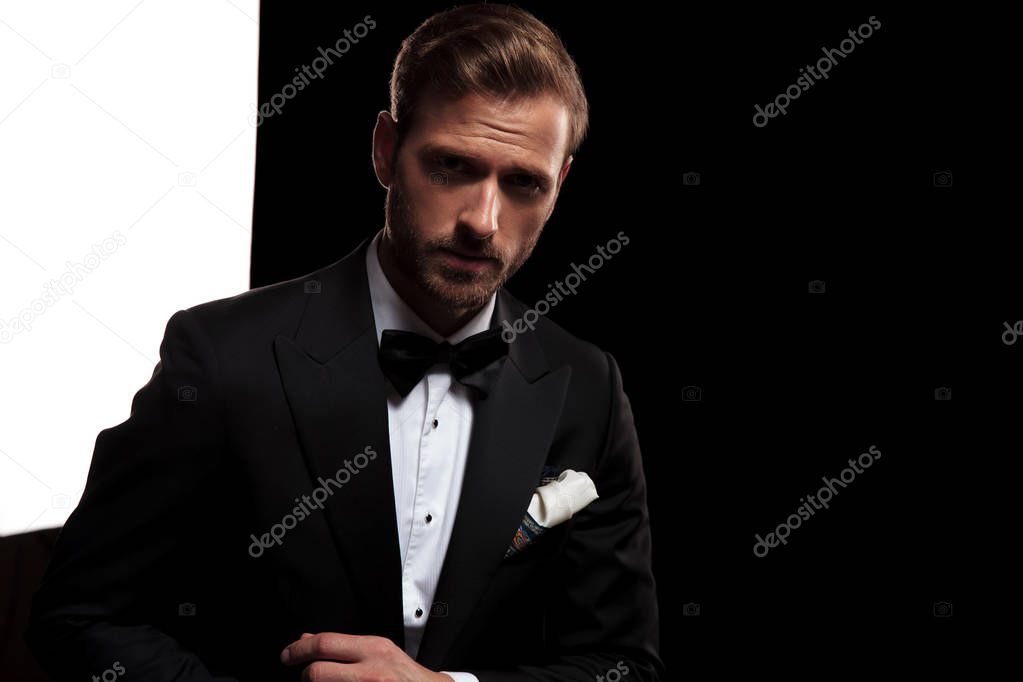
(256, 399)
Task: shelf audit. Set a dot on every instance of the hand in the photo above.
(335, 657)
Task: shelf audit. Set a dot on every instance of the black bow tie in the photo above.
(405, 357)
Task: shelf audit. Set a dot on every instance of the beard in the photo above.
(419, 260)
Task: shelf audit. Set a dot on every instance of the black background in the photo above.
(712, 290)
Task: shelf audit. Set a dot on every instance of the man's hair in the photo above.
(486, 49)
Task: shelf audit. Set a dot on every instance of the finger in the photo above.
(305, 635)
(329, 646)
(327, 671)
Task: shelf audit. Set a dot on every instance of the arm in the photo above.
(139, 506)
(603, 613)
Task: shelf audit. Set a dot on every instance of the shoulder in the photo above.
(592, 367)
(252, 319)
(268, 311)
(272, 308)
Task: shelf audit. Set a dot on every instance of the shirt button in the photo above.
(434, 423)
(429, 517)
(419, 613)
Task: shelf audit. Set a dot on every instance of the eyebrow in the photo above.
(446, 150)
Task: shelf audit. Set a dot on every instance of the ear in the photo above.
(564, 171)
(385, 141)
(557, 189)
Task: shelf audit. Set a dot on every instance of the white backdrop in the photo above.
(127, 156)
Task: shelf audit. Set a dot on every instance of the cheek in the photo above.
(529, 219)
(430, 206)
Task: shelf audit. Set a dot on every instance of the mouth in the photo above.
(465, 261)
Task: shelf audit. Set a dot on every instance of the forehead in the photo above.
(526, 128)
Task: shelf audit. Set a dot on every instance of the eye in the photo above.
(528, 183)
(449, 163)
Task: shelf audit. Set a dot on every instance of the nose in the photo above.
(479, 216)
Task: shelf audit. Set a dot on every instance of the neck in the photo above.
(441, 319)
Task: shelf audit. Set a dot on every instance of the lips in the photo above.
(467, 256)
(466, 263)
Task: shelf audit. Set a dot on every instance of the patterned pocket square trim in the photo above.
(528, 531)
(550, 473)
(553, 503)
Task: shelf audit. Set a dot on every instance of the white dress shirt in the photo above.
(429, 436)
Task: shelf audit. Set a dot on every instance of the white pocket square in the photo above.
(553, 504)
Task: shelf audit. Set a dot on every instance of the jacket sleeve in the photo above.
(141, 501)
(602, 623)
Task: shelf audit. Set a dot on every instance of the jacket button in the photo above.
(419, 612)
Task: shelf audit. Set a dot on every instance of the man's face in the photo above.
(477, 177)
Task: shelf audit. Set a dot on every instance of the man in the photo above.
(348, 475)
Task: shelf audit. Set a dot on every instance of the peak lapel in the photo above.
(338, 401)
(511, 435)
